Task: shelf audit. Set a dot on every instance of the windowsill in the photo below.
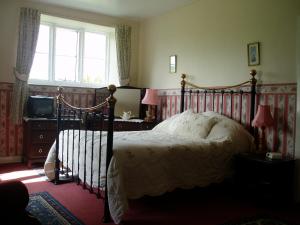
(64, 84)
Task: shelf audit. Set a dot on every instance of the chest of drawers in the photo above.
(39, 135)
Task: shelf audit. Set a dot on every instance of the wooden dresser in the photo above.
(39, 135)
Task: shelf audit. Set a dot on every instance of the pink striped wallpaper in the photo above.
(281, 97)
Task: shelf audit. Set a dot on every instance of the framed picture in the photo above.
(173, 64)
(253, 54)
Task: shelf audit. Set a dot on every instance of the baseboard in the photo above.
(10, 159)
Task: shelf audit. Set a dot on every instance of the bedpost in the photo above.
(58, 114)
(253, 82)
(183, 76)
(111, 110)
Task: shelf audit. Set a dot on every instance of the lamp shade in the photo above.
(150, 97)
(263, 117)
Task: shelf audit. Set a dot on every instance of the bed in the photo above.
(189, 149)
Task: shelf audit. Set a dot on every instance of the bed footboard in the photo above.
(84, 145)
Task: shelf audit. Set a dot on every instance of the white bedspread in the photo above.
(154, 162)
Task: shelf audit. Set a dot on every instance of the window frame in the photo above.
(80, 55)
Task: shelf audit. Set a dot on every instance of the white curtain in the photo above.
(28, 33)
(123, 44)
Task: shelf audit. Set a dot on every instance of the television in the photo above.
(40, 106)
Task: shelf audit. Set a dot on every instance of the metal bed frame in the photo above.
(213, 91)
(93, 119)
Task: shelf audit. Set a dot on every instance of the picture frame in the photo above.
(253, 54)
(173, 64)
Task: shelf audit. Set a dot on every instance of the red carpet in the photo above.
(210, 206)
(81, 203)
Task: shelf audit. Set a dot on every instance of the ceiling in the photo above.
(133, 9)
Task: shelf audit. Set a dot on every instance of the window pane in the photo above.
(66, 54)
(40, 65)
(94, 58)
(66, 42)
(94, 71)
(94, 45)
(65, 68)
(39, 69)
(43, 39)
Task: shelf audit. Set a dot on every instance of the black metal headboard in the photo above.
(238, 89)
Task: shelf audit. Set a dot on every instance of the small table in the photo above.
(265, 179)
(132, 125)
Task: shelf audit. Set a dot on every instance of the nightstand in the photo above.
(264, 179)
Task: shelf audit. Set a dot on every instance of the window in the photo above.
(73, 53)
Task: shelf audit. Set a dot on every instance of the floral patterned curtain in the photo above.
(28, 33)
(123, 44)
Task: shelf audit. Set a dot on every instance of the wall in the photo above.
(210, 40)
(9, 16)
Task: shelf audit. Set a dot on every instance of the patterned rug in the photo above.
(49, 211)
(259, 220)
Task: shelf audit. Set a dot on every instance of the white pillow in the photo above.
(187, 124)
(165, 126)
(193, 125)
(230, 129)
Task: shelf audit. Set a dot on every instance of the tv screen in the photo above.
(40, 106)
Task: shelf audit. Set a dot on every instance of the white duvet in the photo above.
(185, 151)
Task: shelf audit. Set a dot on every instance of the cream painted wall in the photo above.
(210, 40)
(9, 16)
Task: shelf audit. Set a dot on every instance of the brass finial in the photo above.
(253, 80)
(60, 94)
(111, 99)
(253, 73)
(112, 88)
(60, 90)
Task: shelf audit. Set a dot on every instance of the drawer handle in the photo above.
(41, 136)
(40, 150)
